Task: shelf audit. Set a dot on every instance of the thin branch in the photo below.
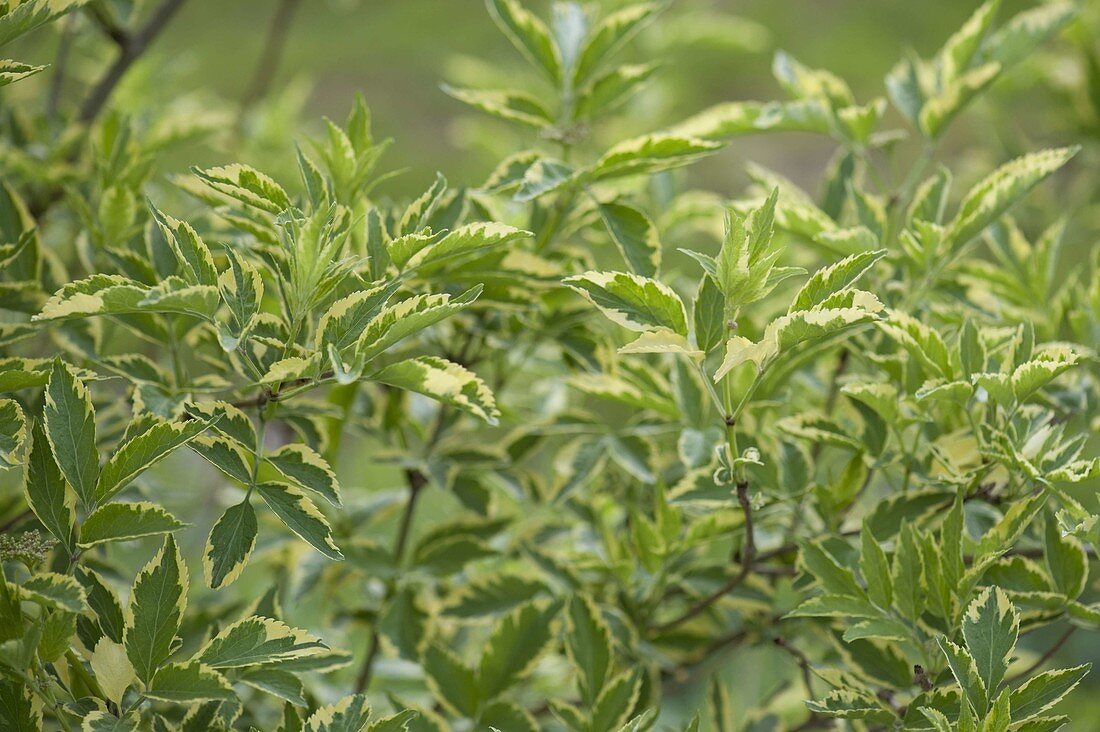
(803, 663)
(1046, 656)
(417, 481)
(131, 48)
(271, 54)
(748, 556)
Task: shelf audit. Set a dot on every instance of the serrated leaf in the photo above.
(649, 154)
(634, 302)
(990, 627)
(1042, 691)
(529, 35)
(230, 544)
(46, 490)
(55, 591)
(141, 452)
(588, 642)
(300, 515)
(188, 682)
(71, 430)
(515, 644)
(305, 467)
(126, 521)
(257, 640)
(635, 236)
(444, 381)
(996, 193)
(157, 602)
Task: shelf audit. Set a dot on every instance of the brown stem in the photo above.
(803, 663)
(15, 520)
(131, 46)
(271, 54)
(748, 556)
(416, 481)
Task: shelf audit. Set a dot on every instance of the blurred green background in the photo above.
(397, 52)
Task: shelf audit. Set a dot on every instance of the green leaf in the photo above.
(70, 429)
(58, 630)
(1016, 39)
(515, 644)
(258, 640)
(1066, 560)
(995, 194)
(830, 574)
(188, 682)
(444, 381)
(492, 594)
(142, 451)
(46, 491)
(470, 239)
(635, 236)
(281, 684)
(542, 177)
(126, 521)
(247, 185)
(636, 303)
(908, 573)
(1043, 691)
(502, 715)
(157, 602)
(56, 591)
(617, 700)
(514, 106)
(649, 154)
(13, 433)
(346, 319)
(965, 671)
(350, 714)
(609, 35)
(990, 627)
(834, 278)
(453, 682)
(850, 704)
(588, 642)
(301, 516)
(396, 322)
(528, 34)
(940, 109)
(301, 464)
(195, 259)
(13, 71)
(113, 671)
(230, 544)
(104, 603)
(107, 722)
(708, 315)
(875, 568)
(242, 289)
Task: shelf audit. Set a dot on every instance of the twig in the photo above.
(131, 46)
(748, 556)
(15, 520)
(803, 663)
(1046, 656)
(271, 54)
(416, 481)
